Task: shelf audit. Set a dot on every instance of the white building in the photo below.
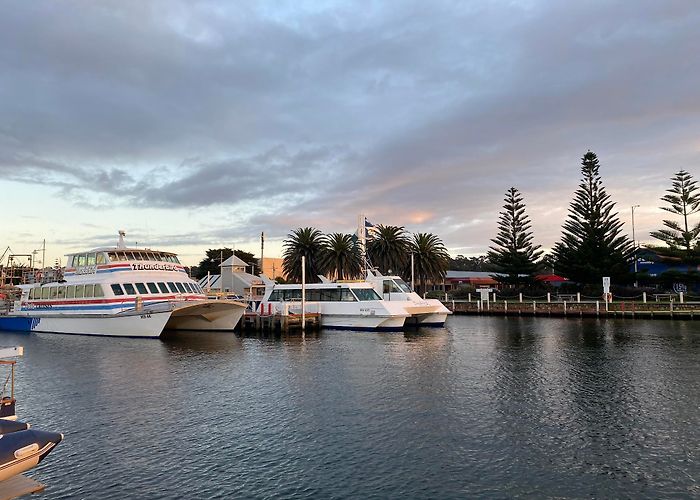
(234, 280)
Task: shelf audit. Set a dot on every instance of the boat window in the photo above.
(141, 288)
(391, 287)
(69, 262)
(152, 287)
(129, 255)
(172, 287)
(91, 259)
(121, 256)
(82, 260)
(113, 257)
(180, 287)
(101, 258)
(79, 291)
(129, 289)
(45, 292)
(117, 289)
(364, 294)
(162, 287)
(61, 292)
(346, 295)
(403, 285)
(98, 291)
(188, 287)
(54, 292)
(88, 291)
(70, 292)
(31, 293)
(274, 296)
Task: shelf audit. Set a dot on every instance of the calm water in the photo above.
(486, 407)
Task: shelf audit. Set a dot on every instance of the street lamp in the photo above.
(634, 246)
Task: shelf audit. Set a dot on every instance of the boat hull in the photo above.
(354, 322)
(24, 450)
(206, 315)
(135, 324)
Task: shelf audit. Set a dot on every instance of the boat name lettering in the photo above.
(145, 316)
(36, 306)
(153, 267)
(86, 270)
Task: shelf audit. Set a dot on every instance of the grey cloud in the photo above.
(419, 113)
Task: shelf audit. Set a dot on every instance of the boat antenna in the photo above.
(121, 244)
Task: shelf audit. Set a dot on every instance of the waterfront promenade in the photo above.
(573, 306)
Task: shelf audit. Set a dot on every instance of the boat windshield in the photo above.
(364, 294)
(403, 285)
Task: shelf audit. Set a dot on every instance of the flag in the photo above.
(369, 228)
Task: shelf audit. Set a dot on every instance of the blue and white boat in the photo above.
(119, 291)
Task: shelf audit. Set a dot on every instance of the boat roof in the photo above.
(348, 284)
(121, 249)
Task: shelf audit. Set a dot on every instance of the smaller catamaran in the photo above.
(341, 305)
(118, 291)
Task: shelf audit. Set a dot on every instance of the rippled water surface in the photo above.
(486, 407)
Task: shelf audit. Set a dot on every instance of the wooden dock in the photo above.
(252, 321)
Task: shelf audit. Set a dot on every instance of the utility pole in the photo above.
(262, 250)
(634, 247)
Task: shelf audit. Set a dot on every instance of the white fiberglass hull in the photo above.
(369, 315)
(423, 312)
(206, 315)
(136, 324)
(353, 322)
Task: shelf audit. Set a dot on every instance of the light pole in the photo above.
(634, 246)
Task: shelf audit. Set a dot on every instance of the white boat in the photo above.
(119, 291)
(423, 312)
(349, 305)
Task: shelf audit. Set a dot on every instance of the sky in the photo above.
(198, 124)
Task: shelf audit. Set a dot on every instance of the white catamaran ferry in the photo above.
(349, 306)
(119, 291)
(424, 312)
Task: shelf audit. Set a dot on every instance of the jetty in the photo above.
(267, 320)
(662, 306)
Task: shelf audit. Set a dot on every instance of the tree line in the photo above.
(592, 244)
(389, 249)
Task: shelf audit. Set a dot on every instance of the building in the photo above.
(234, 280)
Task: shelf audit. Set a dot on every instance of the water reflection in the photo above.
(486, 407)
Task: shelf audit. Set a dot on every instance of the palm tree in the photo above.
(341, 256)
(307, 242)
(388, 248)
(430, 258)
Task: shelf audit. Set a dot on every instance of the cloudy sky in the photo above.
(197, 124)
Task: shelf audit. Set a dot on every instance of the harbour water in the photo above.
(485, 407)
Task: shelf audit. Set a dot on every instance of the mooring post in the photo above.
(680, 297)
(644, 297)
(549, 297)
(597, 308)
(534, 307)
(469, 297)
(578, 296)
(564, 308)
(521, 297)
(505, 306)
